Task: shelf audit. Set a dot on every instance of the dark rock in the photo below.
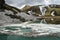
(2, 2)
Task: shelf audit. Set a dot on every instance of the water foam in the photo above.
(42, 29)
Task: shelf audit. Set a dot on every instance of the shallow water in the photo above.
(5, 37)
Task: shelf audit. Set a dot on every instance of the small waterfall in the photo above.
(43, 10)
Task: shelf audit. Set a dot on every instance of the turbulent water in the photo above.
(10, 29)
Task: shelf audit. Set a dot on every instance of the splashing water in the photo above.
(38, 28)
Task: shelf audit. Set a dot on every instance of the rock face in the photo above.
(2, 2)
(35, 9)
(6, 19)
(26, 16)
(19, 17)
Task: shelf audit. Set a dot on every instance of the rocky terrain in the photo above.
(8, 20)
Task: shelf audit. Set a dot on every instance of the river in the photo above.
(42, 23)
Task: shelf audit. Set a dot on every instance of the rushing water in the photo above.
(19, 28)
(15, 37)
